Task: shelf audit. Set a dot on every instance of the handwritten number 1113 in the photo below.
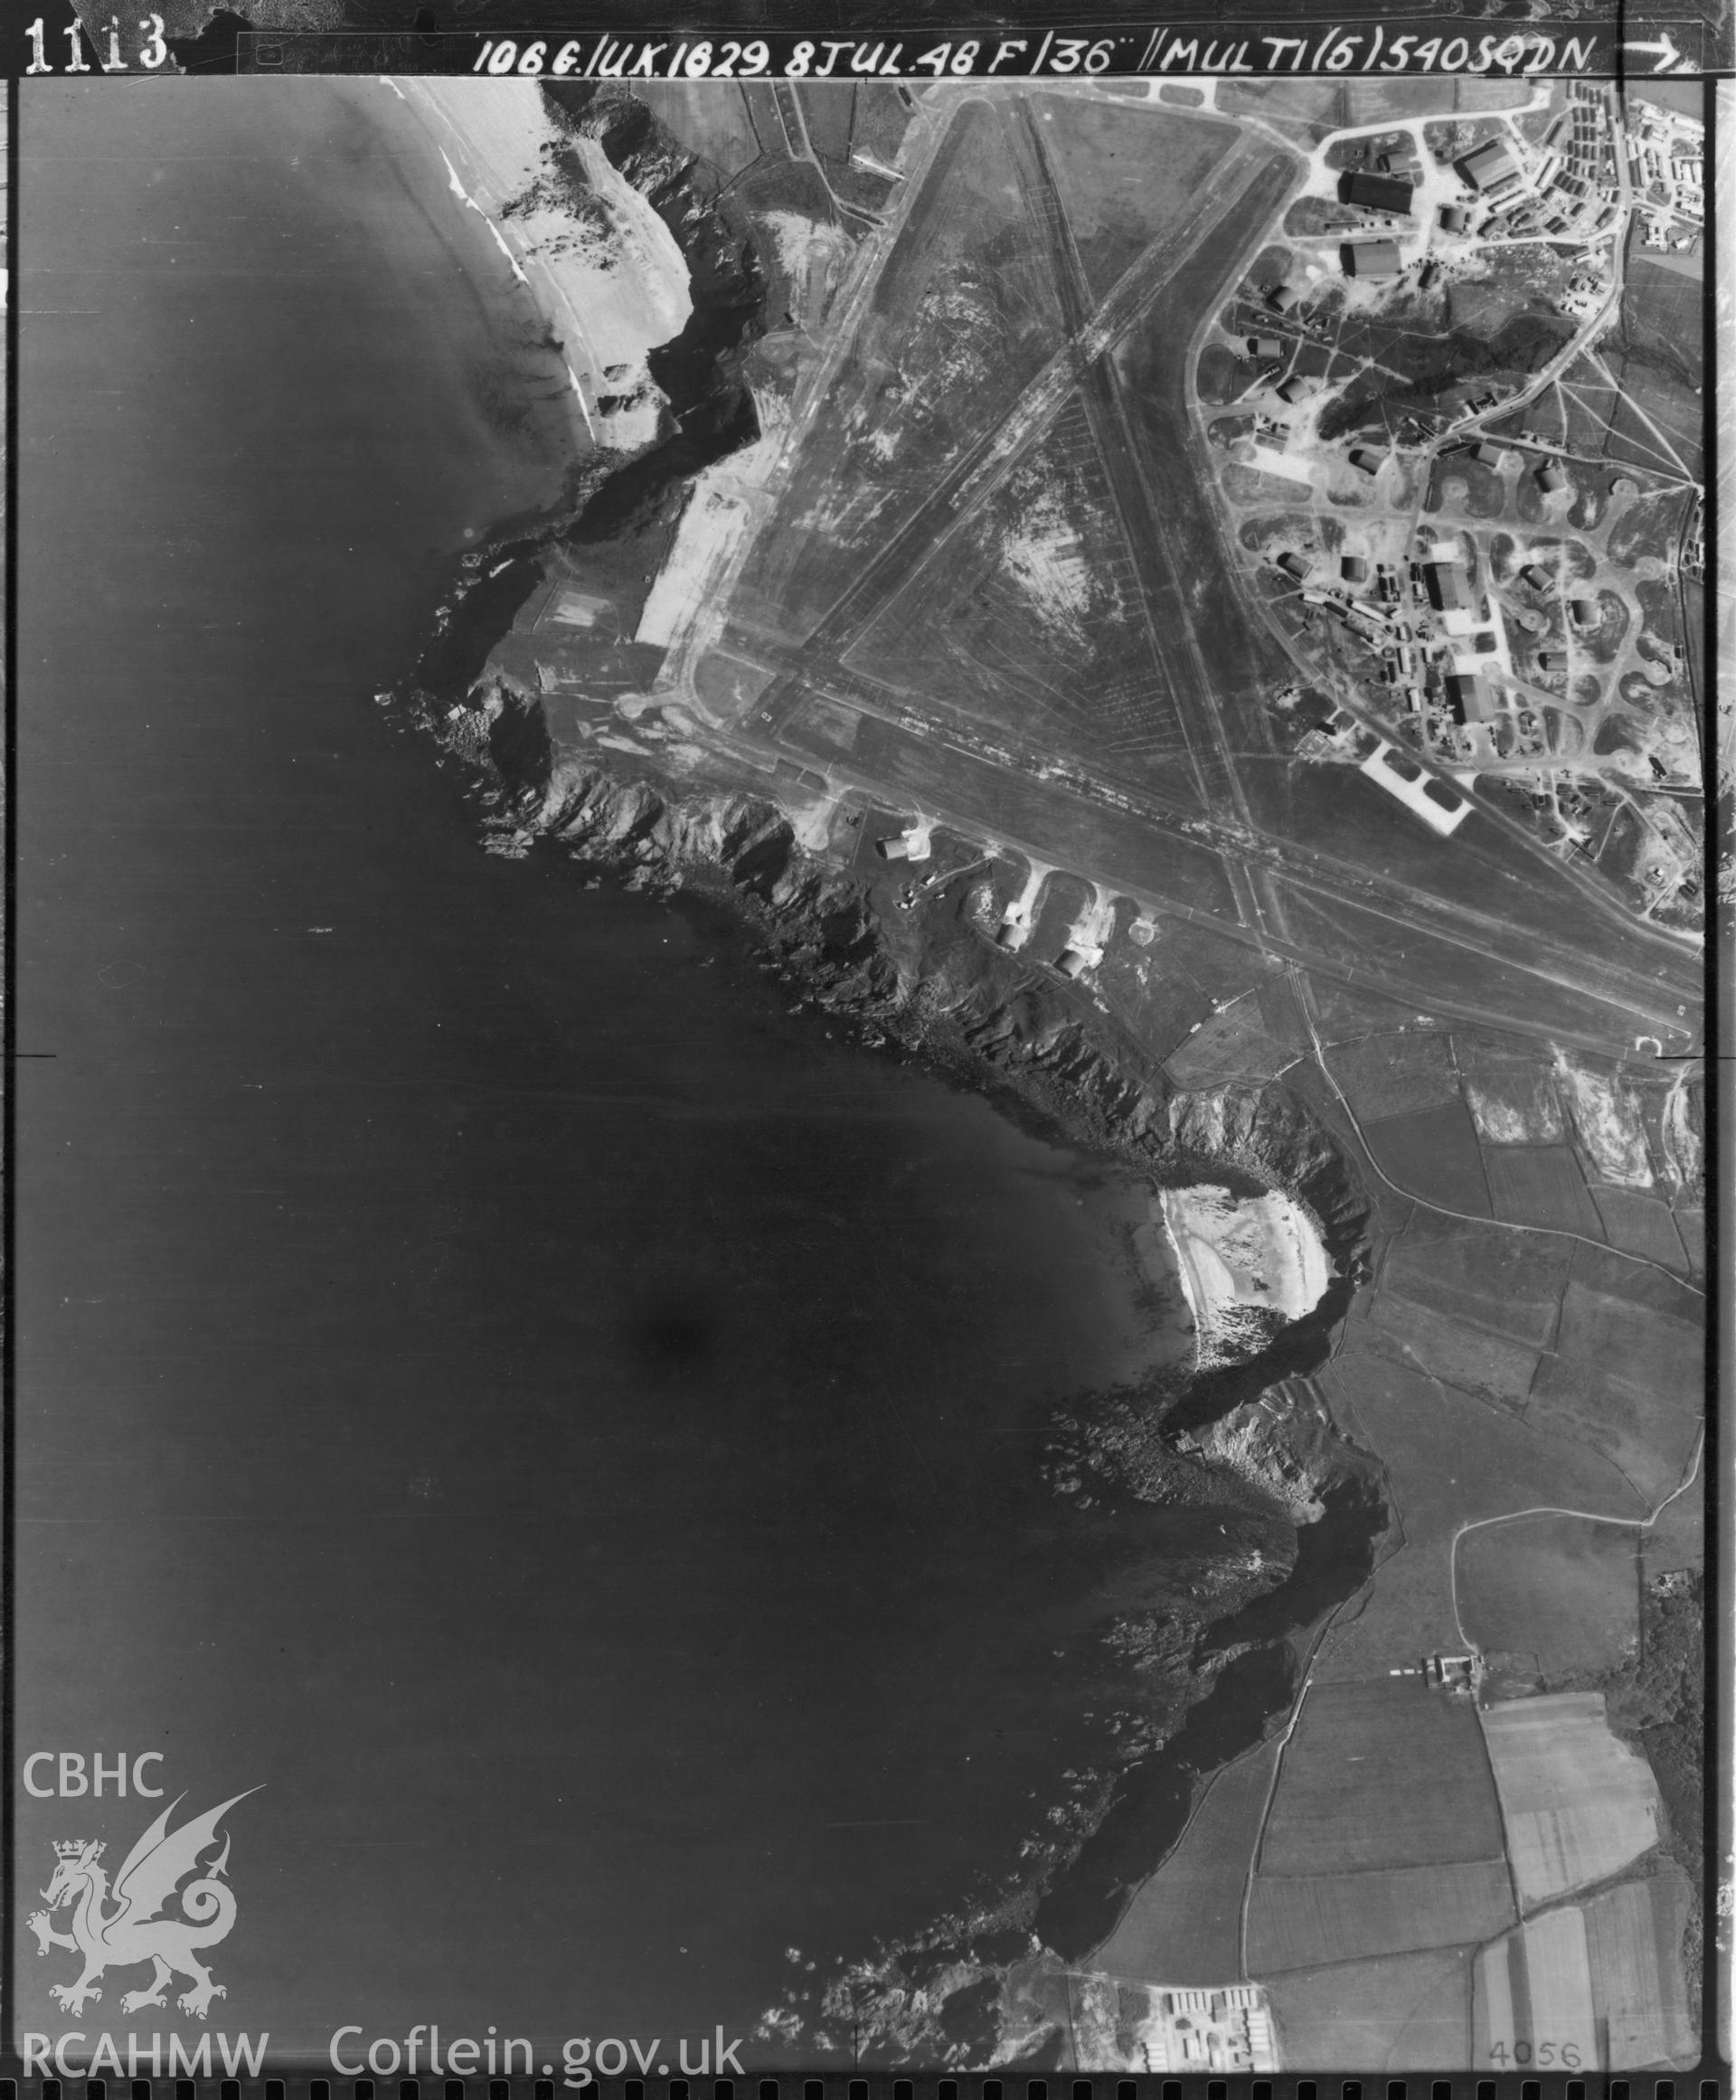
(152, 52)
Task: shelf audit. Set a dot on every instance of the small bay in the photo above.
(489, 1373)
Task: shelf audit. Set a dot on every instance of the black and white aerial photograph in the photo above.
(859, 1120)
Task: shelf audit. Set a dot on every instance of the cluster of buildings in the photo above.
(1565, 191)
(1216, 2032)
(1410, 617)
(1447, 651)
(1568, 190)
(1454, 1673)
(1666, 161)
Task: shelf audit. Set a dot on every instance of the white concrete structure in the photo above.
(1413, 793)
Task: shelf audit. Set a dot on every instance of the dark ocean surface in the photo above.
(488, 1373)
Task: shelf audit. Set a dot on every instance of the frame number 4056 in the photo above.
(1523, 2054)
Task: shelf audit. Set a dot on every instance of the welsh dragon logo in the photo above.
(134, 1930)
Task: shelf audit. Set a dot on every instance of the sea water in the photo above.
(488, 1374)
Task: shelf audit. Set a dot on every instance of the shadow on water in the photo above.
(454, 659)
(1152, 1805)
(1293, 1352)
(1334, 1556)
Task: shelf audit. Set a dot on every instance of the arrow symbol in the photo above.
(1665, 49)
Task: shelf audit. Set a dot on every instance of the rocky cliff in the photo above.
(914, 976)
(925, 983)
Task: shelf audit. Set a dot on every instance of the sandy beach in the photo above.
(1259, 1254)
(612, 283)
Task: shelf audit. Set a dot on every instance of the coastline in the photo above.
(1238, 1259)
(1261, 1209)
(930, 990)
(610, 288)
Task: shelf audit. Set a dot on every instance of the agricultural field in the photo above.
(1508, 1282)
(1540, 1185)
(1433, 1153)
(1451, 1457)
(1491, 1368)
(1184, 1925)
(1533, 2005)
(1643, 1225)
(1634, 1939)
(1599, 1986)
(1392, 2014)
(1558, 1594)
(1474, 1309)
(1253, 1039)
(1303, 1921)
(1578, 1804)
(1625, 1370)
(1401, 1074)
(1381, 1773)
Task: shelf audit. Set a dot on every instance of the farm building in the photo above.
(1263, 348)
(1454, 219)
(1550, 476)
(1354, 569)
(1374, 193)
(1468, 698)
(1490, 167)
(1294, 563)
(1371, 259)
(1536, 576)
(1586, 612)
(1366, 461)
(1282, 297)
(1551, 661)
(1487, 455)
